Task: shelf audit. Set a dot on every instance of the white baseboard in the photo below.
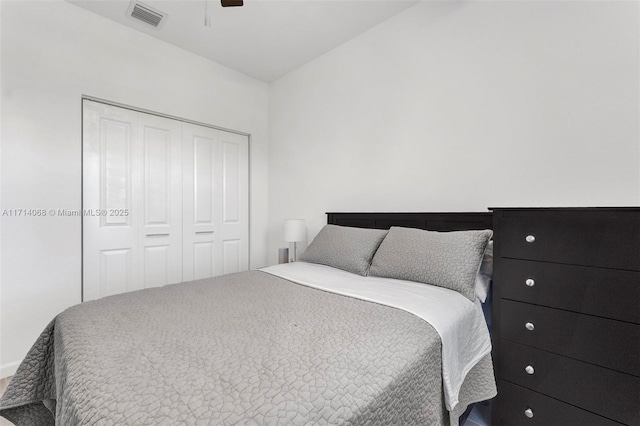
(8, 369)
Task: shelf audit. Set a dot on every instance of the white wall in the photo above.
(447, 106)
(53, 53)
(461, 106)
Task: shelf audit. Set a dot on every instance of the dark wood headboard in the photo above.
(428, 221)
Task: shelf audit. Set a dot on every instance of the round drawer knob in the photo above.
(529, 369)
(530, 238)
(530, 282)
(529, 326)
(529, 413)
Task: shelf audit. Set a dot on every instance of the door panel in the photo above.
(115, 272)
(234, 228)
(116, 163)
(157, 150)
(156, 265)
(203, 255)
(203, 177)
(201, 170)
(231, 256)
(160, 231)
(231, 182)
(109, 172)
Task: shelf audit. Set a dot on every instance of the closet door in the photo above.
(132, 200)
(160, 198)
(234, 221)
(164, 201)
(110, 176)
(216, 202)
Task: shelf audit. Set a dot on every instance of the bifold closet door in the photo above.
(216, 202)
(164, 201)
(132, 200)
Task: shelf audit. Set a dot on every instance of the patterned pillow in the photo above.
(445, 259)
(342, 247)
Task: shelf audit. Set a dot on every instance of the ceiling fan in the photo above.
(231, 3)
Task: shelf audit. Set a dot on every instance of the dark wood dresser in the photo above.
(566, 316)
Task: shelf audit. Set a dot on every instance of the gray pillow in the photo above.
(346, 248)
(445, 259)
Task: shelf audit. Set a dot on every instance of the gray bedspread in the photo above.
(247, 348)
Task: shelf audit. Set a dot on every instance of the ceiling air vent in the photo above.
(146, 14)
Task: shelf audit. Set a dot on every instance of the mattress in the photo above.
(249, 348)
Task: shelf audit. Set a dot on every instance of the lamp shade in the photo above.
(294, 230)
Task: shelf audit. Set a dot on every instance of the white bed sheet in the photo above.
(459, 322)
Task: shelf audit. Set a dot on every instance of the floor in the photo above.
(3, 385)
(480, 416)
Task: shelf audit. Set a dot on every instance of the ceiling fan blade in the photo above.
(231, 3)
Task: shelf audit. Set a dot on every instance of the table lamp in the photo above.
(294, 232)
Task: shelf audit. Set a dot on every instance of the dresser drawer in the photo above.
(609, 293)
(515, 400)
(599, 390)
(609, 343)
(609, 239)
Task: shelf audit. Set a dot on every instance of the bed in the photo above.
(306, 343)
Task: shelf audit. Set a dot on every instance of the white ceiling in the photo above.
(264, 39)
